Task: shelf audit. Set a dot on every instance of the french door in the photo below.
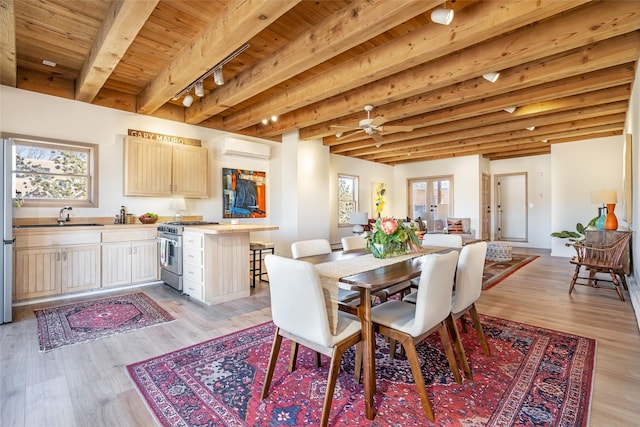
(430, 199)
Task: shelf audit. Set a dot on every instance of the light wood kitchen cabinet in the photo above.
(47, 264)
(155, 169)
(193, 265)
(129, 257)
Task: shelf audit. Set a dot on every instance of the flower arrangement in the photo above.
(390, 237)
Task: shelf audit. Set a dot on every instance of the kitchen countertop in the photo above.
(226, 228)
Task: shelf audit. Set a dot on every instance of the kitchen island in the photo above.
(216, 261)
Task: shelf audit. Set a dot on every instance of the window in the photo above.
(430, 199)
(53, 172)
(347, 197)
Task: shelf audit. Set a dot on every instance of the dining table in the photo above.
(358, 270)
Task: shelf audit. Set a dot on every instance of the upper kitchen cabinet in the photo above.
(158, 169)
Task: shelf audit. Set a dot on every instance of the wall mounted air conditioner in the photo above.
(240, 147)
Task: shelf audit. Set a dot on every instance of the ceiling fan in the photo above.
(372, 127)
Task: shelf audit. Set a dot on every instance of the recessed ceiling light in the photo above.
(545, 140)
(48, 63)
(492, 77)
(274, 118)
(265, 121)
(510, 109)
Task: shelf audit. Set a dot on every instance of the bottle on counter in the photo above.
(123, 214)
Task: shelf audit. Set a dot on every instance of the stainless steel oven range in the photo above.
(170, 250)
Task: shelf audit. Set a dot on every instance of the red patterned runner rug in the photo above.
(534, 377)
(90, 320)
(496, 271)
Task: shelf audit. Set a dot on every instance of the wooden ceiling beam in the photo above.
(478, 22)
(8, 61)
(118, 30)
(450, 133)
(509, 139)
(236, 24)
(604, 54)
(557, 34)
(344, 30)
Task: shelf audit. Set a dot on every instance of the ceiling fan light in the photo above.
(442, 16)
(510, 110)
(218, 77)
(492, 76)
(199, 88)
(188, 100)
(531, 128)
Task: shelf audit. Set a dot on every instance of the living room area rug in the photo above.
(496, 271)
(534, 377)
(90, 320)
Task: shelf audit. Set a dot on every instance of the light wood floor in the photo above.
(87, 385)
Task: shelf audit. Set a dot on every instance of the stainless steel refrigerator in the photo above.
(6, 257)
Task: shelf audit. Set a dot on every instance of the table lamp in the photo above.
(597, 198)
(358, 219)
(178, 204)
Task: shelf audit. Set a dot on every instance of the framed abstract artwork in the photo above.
(378, 199)
(243, 193)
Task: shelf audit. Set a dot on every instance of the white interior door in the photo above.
(511, 203)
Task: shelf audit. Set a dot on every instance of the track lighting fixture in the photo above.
(218, 77)
(274, 119)
(442, 16)
(510, 110)
(545, 140)
(199, 88)
(492, 76)
(198, 85)
(531, 128)
(188, 100)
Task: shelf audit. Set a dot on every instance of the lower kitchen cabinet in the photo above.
(193, 265)
(129, 257)
(45, 271)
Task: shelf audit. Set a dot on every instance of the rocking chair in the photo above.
(600, 259)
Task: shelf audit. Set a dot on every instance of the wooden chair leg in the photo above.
(457, 342)
(573, 279)
(421, 387)
(392, 348)
(446, 343)
(614, 279)
(293, 356)
(275, 349)
(358, 363)
(476, 322)
(318, 359)
(463, 323)
(623, 279)
(334, 369)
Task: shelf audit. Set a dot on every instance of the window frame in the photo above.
(92, 151)
(356, 193)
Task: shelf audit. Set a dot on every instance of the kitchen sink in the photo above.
(74, 224)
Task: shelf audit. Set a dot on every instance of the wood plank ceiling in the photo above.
(566, 66)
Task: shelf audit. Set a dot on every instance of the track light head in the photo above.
(531, 128)
(218, 77)
(492, 77)
(188, 100)
(265, 121)
(199, 88)
(442, 16)
(510, 110)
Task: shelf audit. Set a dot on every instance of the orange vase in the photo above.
(611, 222)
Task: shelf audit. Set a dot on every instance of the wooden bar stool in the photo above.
(258, 251)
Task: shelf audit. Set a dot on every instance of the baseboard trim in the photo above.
(634, 296)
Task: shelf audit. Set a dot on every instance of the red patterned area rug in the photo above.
(496, 271)
(87, 321)
(534, 377)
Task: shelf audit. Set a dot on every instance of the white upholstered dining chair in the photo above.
(409, 323)
(441, 239)
(299, 313)
(468, 287)
(353, 242)
(304, 248)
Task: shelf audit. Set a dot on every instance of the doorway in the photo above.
(485, 232)
(429, 199)
(511, 207)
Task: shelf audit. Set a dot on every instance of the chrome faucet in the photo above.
(61, 218)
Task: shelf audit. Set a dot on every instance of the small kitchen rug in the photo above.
(496, 271)
(90, 320)
(533, 377)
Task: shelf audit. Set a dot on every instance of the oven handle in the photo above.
(171, 241)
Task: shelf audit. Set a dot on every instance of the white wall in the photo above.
(632, 127)
(367, 173)
(538, 170)
(577, 168)
(34, 114)
(466, 184)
